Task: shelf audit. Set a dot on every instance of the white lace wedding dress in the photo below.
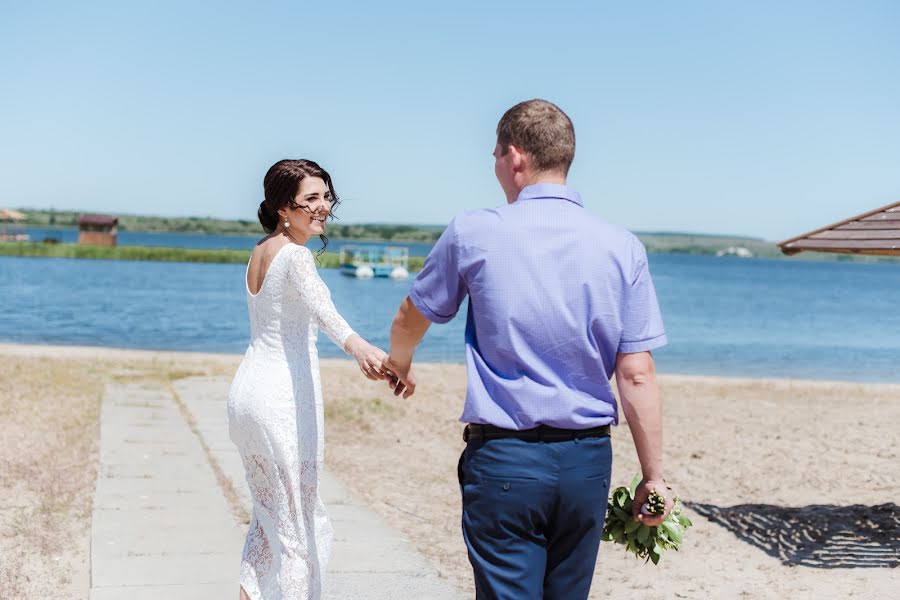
(276, 419)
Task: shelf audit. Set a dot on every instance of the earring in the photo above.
(287, 224)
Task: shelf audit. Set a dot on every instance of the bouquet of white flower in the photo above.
(641, 540)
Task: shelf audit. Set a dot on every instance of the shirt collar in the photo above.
(550, 190)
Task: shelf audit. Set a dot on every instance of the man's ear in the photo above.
(518, 159)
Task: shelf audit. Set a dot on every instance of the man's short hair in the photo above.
(541, 130)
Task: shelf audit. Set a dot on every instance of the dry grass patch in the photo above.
(48, 453)
(361, 412)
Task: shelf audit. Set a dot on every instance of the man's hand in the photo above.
(640, 498)
(400, 377)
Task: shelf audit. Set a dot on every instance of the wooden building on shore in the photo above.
(875, 232)
(98, 230)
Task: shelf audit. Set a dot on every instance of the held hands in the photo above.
(642, 494)
(376, 365)
(400, 376)
(368, 357)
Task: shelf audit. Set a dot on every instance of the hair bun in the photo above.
(267, 218)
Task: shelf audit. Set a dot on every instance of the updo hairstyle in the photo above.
(280, 186)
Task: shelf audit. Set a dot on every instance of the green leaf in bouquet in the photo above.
(618, 531)
(633, 487)
(621, 498)
(673, 530)
(655, 558)
(643, 533)
(621, 514)
(683, 521)
(632, 525)
(657, 549)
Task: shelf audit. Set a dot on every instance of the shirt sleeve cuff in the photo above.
(425, 310)
(643, 345)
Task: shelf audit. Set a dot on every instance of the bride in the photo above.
(275, 409)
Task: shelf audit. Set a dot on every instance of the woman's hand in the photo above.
(368, 357)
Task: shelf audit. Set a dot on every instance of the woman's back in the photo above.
(278, 318)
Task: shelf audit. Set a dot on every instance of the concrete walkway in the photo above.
(171, 507)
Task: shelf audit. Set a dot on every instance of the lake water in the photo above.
(204, 241)
(724, 316)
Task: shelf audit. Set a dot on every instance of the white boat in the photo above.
(366, 262)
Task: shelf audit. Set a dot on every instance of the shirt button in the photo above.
(506, 487)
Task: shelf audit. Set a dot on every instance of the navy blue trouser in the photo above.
(532, 515)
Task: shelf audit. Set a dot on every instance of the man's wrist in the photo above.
(400, 359)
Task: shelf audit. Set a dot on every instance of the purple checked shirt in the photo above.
(554, 294)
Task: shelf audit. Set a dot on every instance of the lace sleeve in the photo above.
(317, 299)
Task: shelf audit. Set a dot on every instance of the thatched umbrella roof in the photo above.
(875, 232)
(8, 214)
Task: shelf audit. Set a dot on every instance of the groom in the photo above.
(559, 300)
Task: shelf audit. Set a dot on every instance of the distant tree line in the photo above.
(209, 225)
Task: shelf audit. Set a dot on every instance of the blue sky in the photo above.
(755, 118)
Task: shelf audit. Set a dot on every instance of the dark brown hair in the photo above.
(280, 186)
(541, 130)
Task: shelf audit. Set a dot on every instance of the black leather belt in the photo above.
(542, 433)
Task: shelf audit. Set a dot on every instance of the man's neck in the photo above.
(553, 178)
(556, 178)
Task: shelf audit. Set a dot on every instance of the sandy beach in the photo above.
(785, 480)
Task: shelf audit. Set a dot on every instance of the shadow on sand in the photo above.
(822, 536)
